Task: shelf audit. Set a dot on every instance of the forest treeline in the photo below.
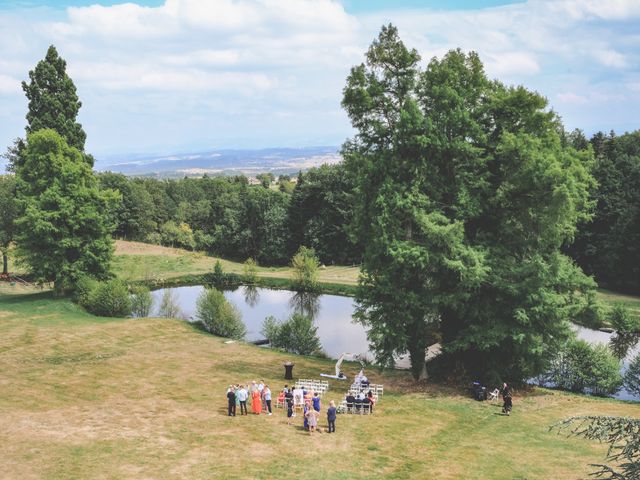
(227, 216)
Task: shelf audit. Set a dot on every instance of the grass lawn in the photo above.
(141, 261)
(84, 397)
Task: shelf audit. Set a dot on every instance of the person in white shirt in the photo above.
(266, 394)
(242, 397)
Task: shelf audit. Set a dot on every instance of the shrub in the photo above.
(622, 321)
(219, 316)
(305, 266)
(632, 376)
(250, 271)
(154, 238)
(169, 307)
(84, 289)
(297, 334)
(220, 279)
(110, 299)
(141, 301)
(581, 367)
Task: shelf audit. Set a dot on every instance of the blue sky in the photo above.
(173, 76)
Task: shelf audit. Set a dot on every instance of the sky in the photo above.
(178, 76)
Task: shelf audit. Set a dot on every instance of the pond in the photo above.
(332, 314)
(333, 317)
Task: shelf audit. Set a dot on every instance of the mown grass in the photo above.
(84, 397)
(139, 261)
(632, 303)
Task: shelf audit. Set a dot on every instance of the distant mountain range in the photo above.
(222, 162)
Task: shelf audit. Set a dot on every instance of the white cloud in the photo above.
(610, 58)
(9, 84)
(511, 63)
(571, 97)
(275, 69)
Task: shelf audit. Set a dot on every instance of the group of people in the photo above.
(360, 399)
(311, 406)
(259, 393)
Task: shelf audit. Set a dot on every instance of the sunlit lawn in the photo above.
(84, 397)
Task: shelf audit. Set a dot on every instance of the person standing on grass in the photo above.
(316, 402)
(288, 398)
(506, 397)
(266, 394)
(305, 417)
(312, 419)
(331, 416)
(231, 398)
(256, 402)
(242, 396)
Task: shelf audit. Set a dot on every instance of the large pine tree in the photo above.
(465, 195)
(53, 101)
(62, 230)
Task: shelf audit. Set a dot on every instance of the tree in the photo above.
(9, 209)
(579, 367)
(266, 179)
(61, 231)
(297, 334)
(250, 271)
(464, 195)
(321, 212)
(622, 435)
(607, 246)
(141, 301)
(53, 102)
(632, 376)
(169, 306)
(305, 266)
(218, 315)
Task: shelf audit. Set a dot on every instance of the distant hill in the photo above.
(222, 162)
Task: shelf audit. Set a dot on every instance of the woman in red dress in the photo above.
(256, 402)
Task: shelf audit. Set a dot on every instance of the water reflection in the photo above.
(305, 303)
(622, 343)
(251, 295)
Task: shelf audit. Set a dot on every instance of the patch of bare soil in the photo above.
(124, 247)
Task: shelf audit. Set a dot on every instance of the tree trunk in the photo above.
(5, 264)
(418, 361)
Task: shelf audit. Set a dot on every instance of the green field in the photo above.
(141, 261)
(85, 397)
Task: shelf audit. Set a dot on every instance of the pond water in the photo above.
(333, 317)
(332, 314)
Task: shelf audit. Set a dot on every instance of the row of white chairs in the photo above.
(319, 386)
(376, 389)
(361, 408)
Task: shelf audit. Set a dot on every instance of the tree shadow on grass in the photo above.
(19, 298)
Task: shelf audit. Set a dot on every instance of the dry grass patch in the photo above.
(145, 398)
